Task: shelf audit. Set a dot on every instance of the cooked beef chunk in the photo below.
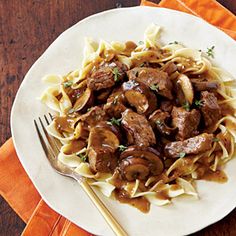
(195, 145)
(210, 108)
(106, 75)
(138, 129)
(166, 106)
(115, 104)
(205, 85)
(186, 121)
(158, 119)
(102, 145)
(94, 116)
(139, 96)
(153, 78)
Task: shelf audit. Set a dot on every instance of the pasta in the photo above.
(194, 81)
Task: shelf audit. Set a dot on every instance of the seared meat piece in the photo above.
(115, 104)
(158, 119)
(166, 106)
(102, 145)
(205, 85)
(169, 68)
(195, 145)
(138, 129)
(139, 96)
(94, 116)
(106, 75)
(153, 78)
(210, 108)
(186, 121)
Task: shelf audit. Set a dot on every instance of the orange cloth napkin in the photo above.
(17, 188)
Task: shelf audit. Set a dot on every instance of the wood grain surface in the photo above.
(27, 28)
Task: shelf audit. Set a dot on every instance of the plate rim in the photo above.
(50, 204)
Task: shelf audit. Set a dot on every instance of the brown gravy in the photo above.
(63, 124)
(75, 146)
(140, 203)
(217, 176)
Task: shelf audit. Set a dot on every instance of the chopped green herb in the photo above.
(175, 42)
(182, 154)
(122, 148)
(83, 157)
(114, 102)
(67, 84)
(89, 109)
(116, 74)
(142, 64)
(71, 111)
(215, 140)
(114, 121)
(186, 106)
(198, 103)
(154, 87)
(78, 95)
(159, 122)
(140, 42)
(210, 51)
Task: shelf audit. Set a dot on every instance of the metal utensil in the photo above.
(51, 147)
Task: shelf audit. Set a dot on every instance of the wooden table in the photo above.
(27, 28)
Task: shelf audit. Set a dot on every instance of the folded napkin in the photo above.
(16, 187)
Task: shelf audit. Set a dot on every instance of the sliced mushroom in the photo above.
(186, 87)
(84, 100)
(170, 67)
(102, 145)
(134, 168)
(205, 85)
(150, 154)
(102, 95)
(140, 96)
(158, 119)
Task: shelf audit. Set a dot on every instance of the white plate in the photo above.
(64, 195)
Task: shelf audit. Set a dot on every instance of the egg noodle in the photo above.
(179, 177)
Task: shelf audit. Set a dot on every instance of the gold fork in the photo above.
(51, 147)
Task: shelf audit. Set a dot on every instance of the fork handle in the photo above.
(115, 226)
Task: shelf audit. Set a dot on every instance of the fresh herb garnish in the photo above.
(122, 148)
(154, 87)
(78, 95)
(67, 84)
(114, 102)
(210, 51)
(175, 42)
(159, 122)
(182, 154)
(83, 157)
(88, 109)
(140, 42)
(116, 74)
(198, 103)
(142, 64)
(71, 111)
(215, 140)
(114, 121)
(186, 106)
